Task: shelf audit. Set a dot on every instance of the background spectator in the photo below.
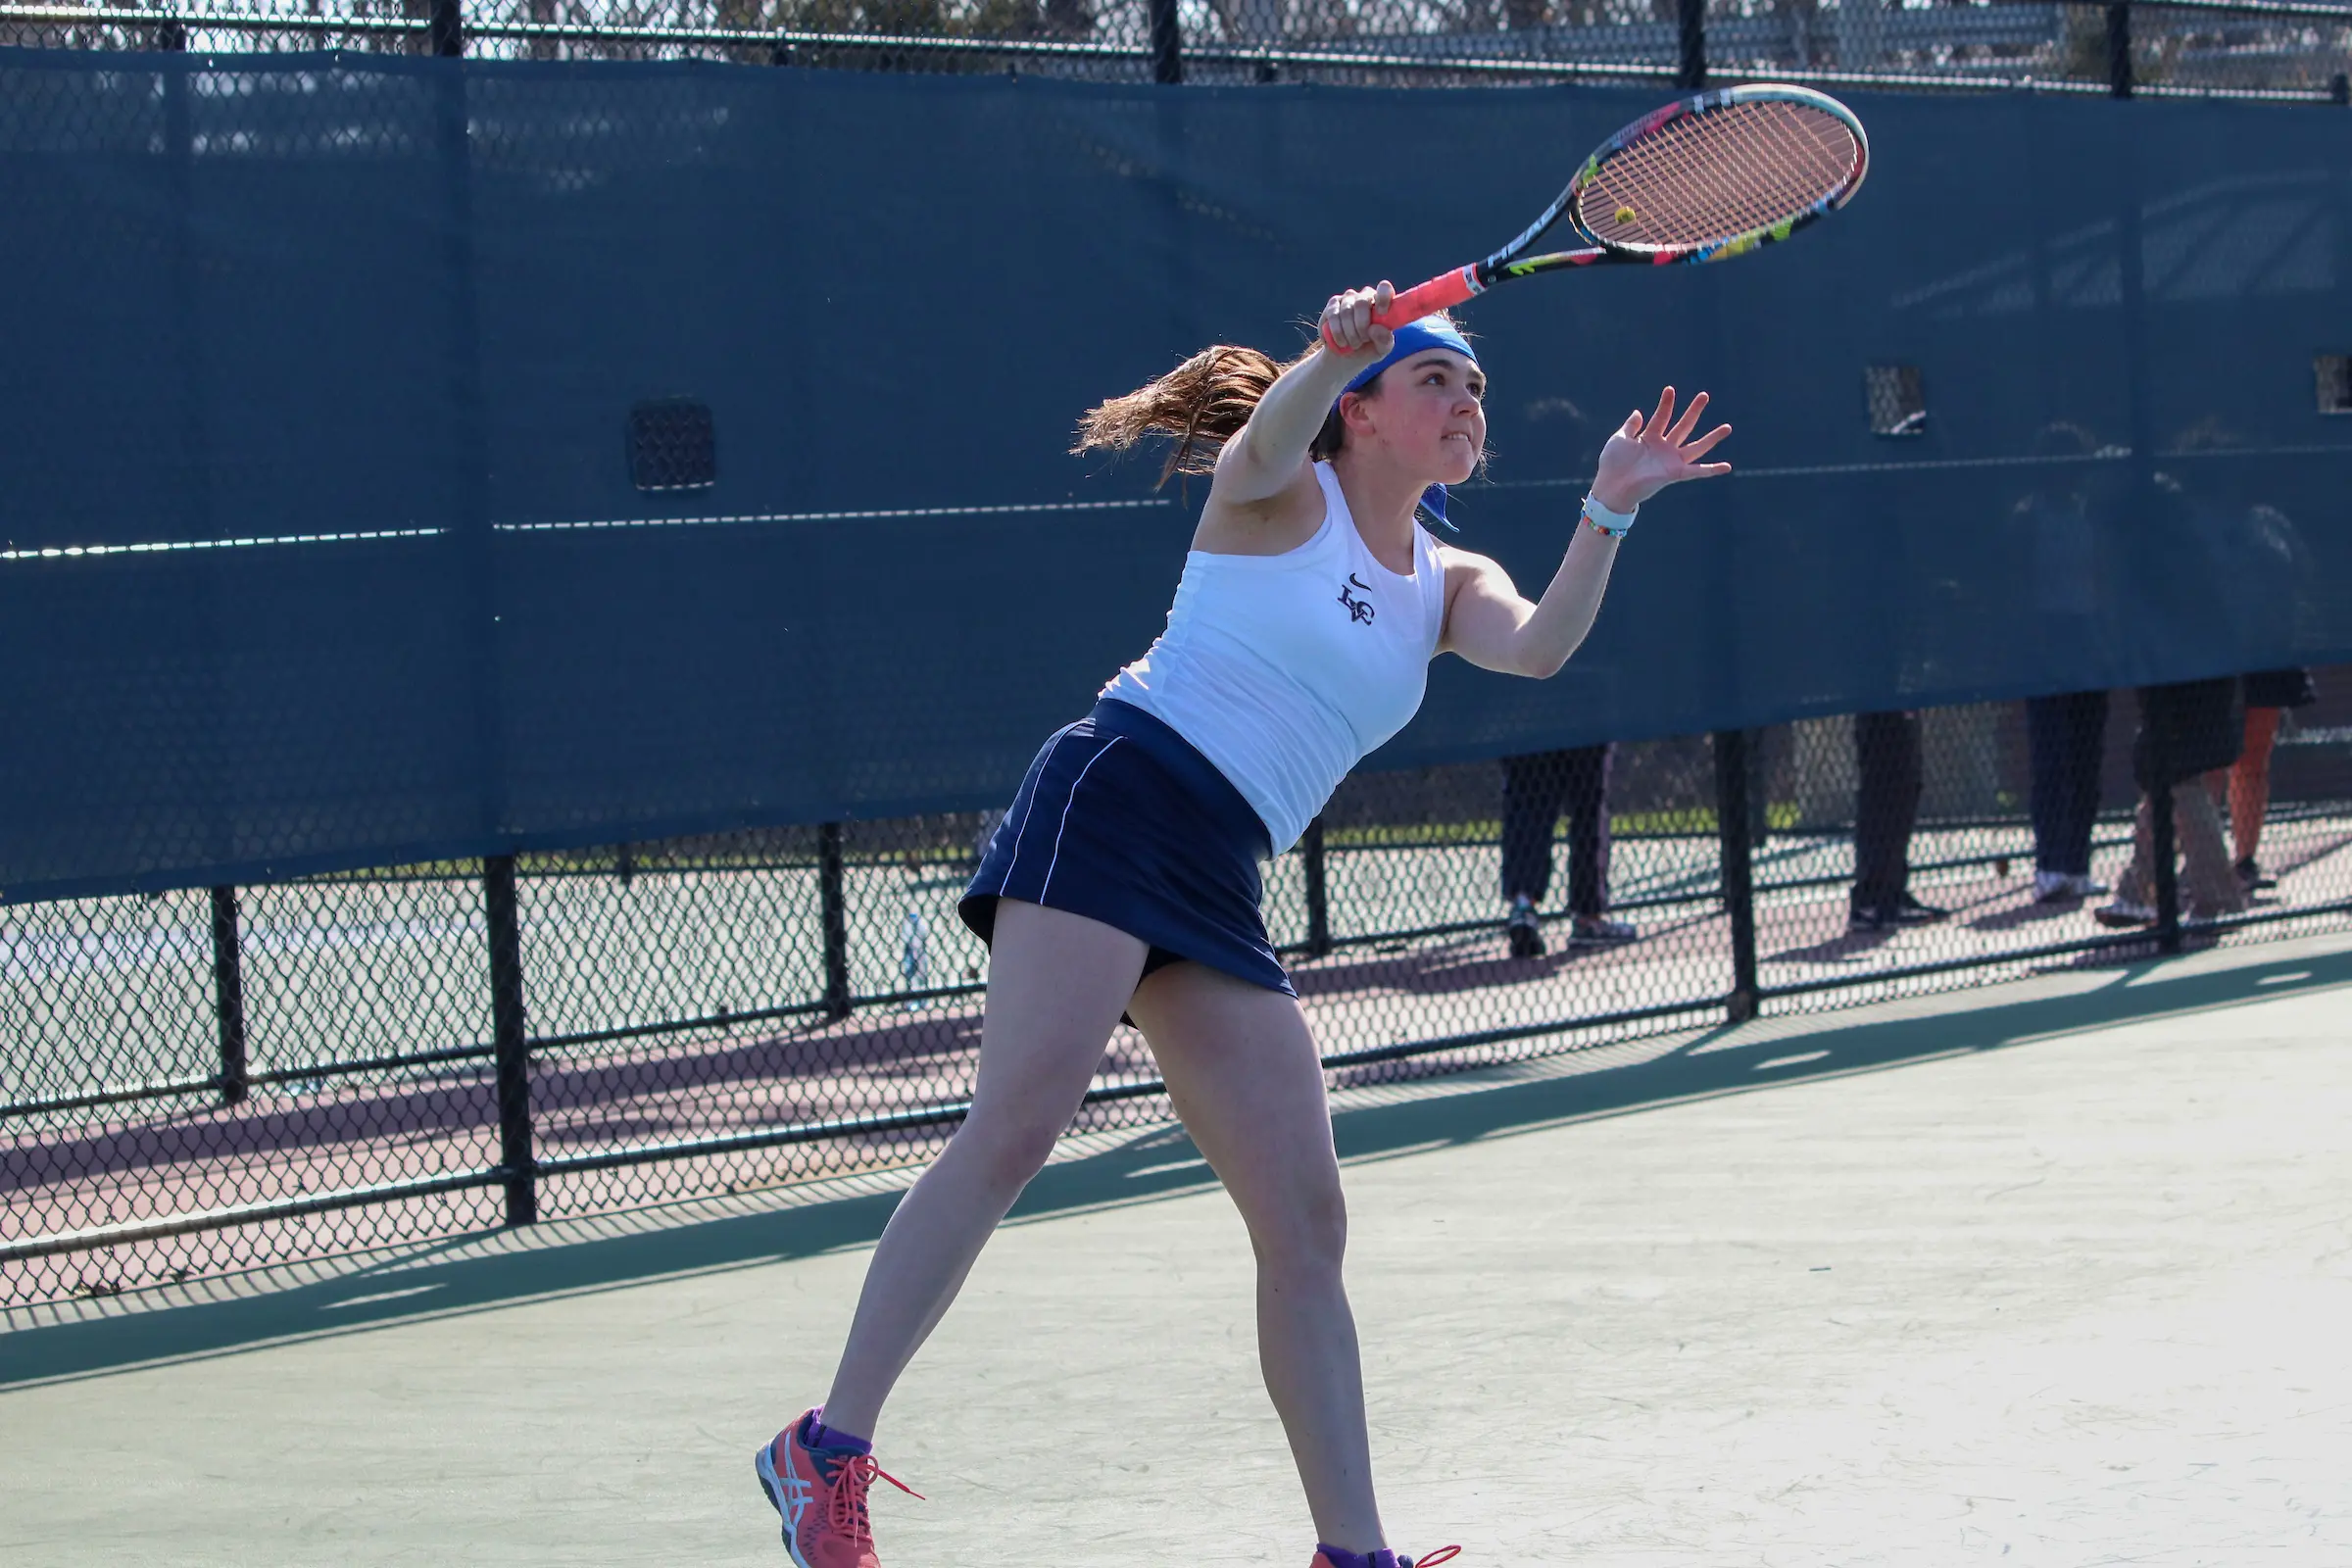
(1535, 789)
(2187, 729)
(2247, 783)
(1887, 761)
(2067, 735)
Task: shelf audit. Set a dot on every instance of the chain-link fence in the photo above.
(2253, 48)
(198, 1082)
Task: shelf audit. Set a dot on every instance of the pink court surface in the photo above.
(2057, 1272)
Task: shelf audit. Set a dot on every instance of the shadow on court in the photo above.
(1723, 1061)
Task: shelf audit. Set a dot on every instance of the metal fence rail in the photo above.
(2284, 49)
(203, 1081)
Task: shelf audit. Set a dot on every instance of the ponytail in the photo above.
(1200, 405)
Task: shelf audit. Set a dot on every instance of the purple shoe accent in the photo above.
(1382, 1558)
(816, 1435)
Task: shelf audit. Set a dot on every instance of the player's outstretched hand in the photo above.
(1646, 456)
(1348, 326)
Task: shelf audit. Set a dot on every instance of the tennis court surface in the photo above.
(2055, 1272)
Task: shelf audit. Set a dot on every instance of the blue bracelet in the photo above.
(1613, 523)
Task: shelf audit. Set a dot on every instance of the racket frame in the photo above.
(1465, 283)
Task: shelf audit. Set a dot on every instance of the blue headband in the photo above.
(1418, 337)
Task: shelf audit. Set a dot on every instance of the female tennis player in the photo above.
(1125, 877)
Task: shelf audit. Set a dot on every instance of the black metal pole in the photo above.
(2339, 89)
(510, 1040)
(1167, 43)
(445, 28)
(2118, 48)
(834, 915)
(1691, 73)
(1318, 892)
(228, 995)
(1732, 836)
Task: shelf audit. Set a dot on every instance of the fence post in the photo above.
(1318, 892)
(445, 29)
(834, 915)
(1732, 835)
(2118, 48)
(228, 995)
(510, 1040)
(2339, 89)
(1691, 70)
(1167, 43)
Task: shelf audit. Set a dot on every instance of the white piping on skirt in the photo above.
(1065, 813)
(1021, 832)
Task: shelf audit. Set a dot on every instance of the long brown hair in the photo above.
(1200, 405)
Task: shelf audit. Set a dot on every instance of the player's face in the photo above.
(1433, 409)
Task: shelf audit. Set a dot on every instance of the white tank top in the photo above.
(1285, 670)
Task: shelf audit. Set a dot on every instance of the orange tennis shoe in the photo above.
(820, 1495)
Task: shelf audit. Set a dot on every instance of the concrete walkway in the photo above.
(2054, 1273)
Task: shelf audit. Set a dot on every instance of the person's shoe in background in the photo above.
(1522, 928)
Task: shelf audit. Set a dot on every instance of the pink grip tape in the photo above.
(1427, 299)
(1422, 299)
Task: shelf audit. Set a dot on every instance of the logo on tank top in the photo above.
(1359, 611)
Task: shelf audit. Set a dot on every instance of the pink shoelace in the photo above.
(1441, 1554)
(845, 1510)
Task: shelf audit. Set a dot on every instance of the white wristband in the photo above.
(1612, 523)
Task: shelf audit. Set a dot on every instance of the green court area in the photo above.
(2055, 1272)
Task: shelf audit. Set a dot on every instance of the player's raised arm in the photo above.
(1271, 452)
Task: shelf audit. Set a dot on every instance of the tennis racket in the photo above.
(1703, 179)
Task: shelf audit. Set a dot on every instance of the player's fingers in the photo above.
(1708, 442)
(1690, 419)
(1383, 295)
(1334, 323)
(1710, 470)
(1665, 415)
(1378, 340)
(1632, 428)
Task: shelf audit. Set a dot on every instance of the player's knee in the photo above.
(1308, 1235)
(1004, 1150)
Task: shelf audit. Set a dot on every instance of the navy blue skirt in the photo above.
(1122, 822)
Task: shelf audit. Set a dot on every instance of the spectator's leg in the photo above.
(2209, 886)
(2052, 754)
(2250, 781)
(2138, 884)
(1584, 775)
(2085, 750)
(1532, 787)
(1887, 804)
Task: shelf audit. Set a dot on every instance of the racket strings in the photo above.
(1738, 168)
(1711, 177)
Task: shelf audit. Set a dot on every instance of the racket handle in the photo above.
(1444, 290)
(1427, 299)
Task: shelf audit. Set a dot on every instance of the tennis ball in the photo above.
(1625, 215)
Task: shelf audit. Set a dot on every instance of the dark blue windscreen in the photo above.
(390, 318)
